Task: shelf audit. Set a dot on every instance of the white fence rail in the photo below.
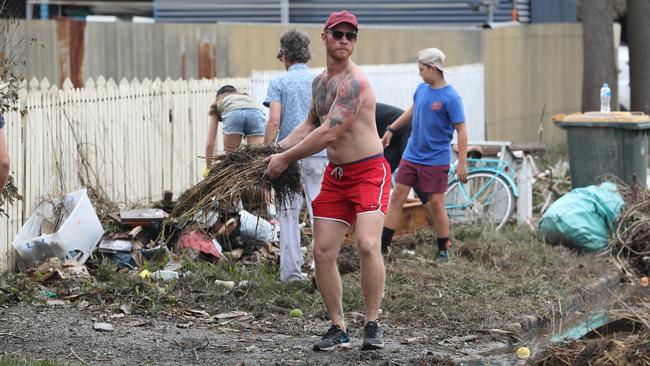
(131, 140)
(395, 85)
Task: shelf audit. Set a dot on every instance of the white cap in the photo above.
(433, 57)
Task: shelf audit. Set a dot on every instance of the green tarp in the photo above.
(583, 217)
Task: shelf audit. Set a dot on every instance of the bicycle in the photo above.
(487, 196)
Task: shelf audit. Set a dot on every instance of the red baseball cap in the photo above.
(343, 16)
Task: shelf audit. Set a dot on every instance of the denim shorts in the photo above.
(245, 122)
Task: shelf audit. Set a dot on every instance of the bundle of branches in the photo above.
(631, 241)
(632, 348)
(237, 173)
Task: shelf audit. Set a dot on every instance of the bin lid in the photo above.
(625, 120)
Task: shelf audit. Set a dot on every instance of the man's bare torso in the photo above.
(336, 99)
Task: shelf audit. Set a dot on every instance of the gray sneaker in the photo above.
(373, 336)
(333, 338)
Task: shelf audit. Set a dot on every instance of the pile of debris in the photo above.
(64, 233)
(208, 222)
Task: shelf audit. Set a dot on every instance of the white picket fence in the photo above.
(395, 85)
(132, 140)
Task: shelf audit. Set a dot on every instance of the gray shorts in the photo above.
(245, 122)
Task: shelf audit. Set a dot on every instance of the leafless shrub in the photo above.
(12, 61)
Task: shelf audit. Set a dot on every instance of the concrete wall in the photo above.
(525, 69)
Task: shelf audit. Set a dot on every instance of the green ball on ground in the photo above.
(295, 313)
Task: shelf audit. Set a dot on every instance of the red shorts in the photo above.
(425, 178)
(352, 189)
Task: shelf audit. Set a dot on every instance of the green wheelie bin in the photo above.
(602, 144)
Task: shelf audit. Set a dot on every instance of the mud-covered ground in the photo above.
(459, 312)
(65, 334)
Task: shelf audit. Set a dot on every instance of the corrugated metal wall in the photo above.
(208, 11)
(413, 12)
(523, 11)
(398, 12)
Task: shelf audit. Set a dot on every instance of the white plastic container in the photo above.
(77, 235)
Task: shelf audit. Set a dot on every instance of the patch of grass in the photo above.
(257, 290)
(15, 288)
(9, 361)
(492, 279)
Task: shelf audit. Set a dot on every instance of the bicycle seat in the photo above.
(473, 151)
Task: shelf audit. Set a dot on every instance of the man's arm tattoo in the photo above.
(346, 103)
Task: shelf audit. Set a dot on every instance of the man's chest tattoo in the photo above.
(344, 92)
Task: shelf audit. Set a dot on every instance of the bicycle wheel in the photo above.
(483, 198)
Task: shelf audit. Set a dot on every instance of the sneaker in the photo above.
(442, 257)
(333, 338)
(373, 336)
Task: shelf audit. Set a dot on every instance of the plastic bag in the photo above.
(77, 234)
(255, 227)
(583, 217)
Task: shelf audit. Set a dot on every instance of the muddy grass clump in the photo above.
(237, 174)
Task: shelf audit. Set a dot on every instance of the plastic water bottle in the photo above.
(605, 96)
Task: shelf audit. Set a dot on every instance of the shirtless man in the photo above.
(356, 183)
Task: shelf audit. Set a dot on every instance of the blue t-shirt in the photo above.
(435, 111)
(2, 121)
(293, 91)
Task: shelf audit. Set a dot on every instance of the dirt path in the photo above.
(66, 334)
